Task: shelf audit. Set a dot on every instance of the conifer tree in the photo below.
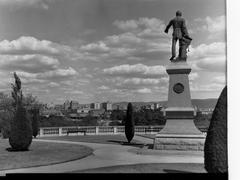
(21, 129)
(129, 123)
(35, 121)
(215, 149)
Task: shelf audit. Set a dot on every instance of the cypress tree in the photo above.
(215, 149)
(21, 129)
(129, 123)
(35, 122)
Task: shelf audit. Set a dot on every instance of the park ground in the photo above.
(97, 154)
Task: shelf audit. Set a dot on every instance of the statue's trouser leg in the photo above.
(174, 41)
(182, 50)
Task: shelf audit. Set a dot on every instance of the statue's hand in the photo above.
(166, 31)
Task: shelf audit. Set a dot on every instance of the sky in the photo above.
(108, 50)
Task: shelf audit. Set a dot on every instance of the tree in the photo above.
(35, 121)
(129, 123)
(21, 130)
(6, 114)
(215, 149)
(7, 110)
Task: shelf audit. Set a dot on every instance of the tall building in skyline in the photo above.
(66, 105)
(95, 105)
(74, 104)
(107, 106)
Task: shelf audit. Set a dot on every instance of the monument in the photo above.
(179, 132)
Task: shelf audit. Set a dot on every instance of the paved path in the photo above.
(110, 155)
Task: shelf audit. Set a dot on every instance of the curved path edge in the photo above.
(105, 155)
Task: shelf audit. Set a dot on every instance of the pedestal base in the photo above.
(180, 134)
(179, 142)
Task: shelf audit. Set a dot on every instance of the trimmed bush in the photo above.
(129, 123)
(215, 150)
(21, 130)
(35, 122)
(21, 127)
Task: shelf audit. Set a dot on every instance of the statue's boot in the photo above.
(172, 58)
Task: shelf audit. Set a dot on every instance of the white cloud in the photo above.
(215, 27)
(144, 27)
(59, 73)
(138, 81)
(99, 47)
(208, 50)
(126, 25)
(74, 92)
(219, 79)
(144, 91)
(103, 87)
(53, 84)
(211, 57)
(142, 39)
(193, 76)
(137, 69)
(214, 87)
(28, 63)
(27, 45)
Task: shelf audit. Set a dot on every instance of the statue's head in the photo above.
(178, 13)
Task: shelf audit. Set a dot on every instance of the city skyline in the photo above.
(108, 50)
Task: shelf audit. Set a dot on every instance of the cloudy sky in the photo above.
(116, 50)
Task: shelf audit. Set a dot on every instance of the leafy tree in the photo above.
(117, 114)
(21, 129)
(6, 114)
(129, 123)
(215, 149)
(7, 110)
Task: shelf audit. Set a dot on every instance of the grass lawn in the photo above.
(150, 168)
(104, 139)
(40, 153)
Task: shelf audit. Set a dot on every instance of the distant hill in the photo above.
(200, 103)
(204, 103)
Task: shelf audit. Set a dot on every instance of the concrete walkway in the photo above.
(110, 155)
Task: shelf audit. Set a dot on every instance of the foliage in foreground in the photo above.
(215, 150)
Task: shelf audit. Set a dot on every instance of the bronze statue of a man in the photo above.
(180, 34)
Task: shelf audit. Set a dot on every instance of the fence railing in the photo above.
(98, 130)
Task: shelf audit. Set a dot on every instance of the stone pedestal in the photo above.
(179, 132)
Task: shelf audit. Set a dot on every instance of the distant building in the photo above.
(59, 107)
(51, 112)
(107, 106)
(96, 112)
(206, 111)
(66, 105)
(74, 105)
(83, 110)
(95, 105)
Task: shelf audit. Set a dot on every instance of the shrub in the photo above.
(21, 129)
(215, 150)
(35, 121)
(129, 123)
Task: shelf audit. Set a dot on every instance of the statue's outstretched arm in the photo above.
(168, 26)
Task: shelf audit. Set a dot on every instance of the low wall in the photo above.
(97, 130)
